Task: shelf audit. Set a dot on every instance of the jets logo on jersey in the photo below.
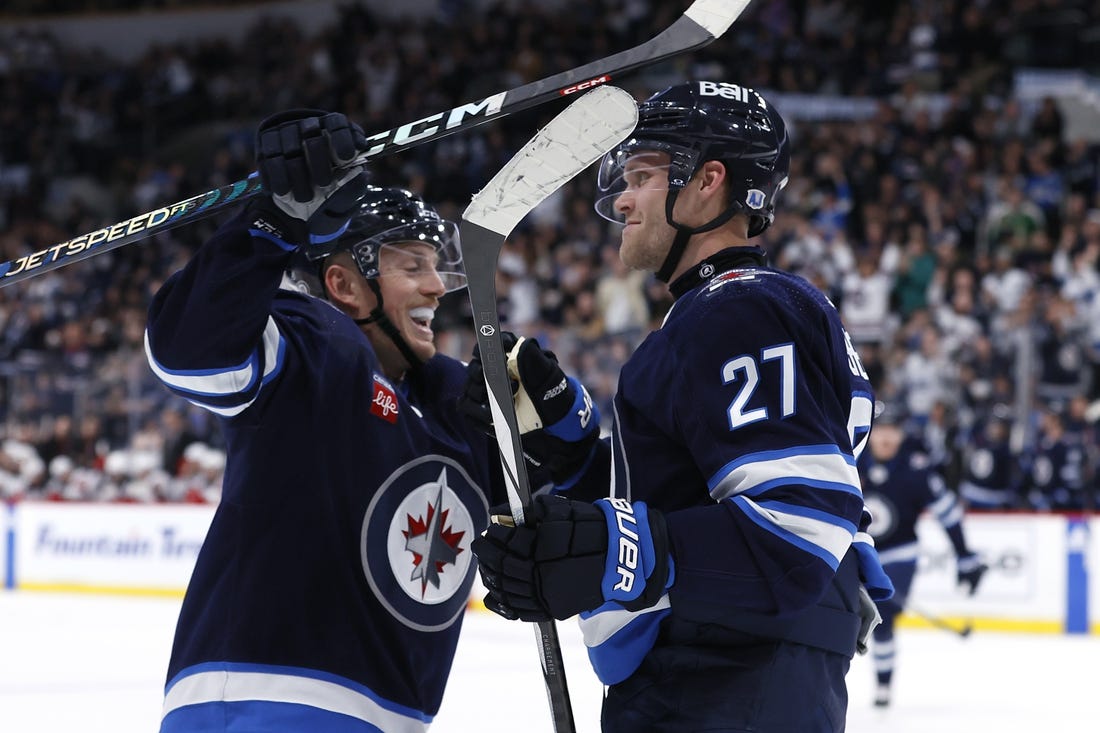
(432, 540)
(883, 516)
(384, 401)
(415, 541)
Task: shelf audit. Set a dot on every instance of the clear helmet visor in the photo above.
(425, 250)
(629, 171)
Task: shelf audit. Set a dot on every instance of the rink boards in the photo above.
(1038, 579)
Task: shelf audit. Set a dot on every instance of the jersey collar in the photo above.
(730, 258)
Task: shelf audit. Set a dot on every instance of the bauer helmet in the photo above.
(692, 123)
(393, 217)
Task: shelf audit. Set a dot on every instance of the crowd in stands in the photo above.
(956, 227)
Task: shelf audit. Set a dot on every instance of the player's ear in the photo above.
(344, 286)
(711, 177)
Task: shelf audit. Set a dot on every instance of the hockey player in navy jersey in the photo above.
(730, 565)
(330, 589)
(899, 485)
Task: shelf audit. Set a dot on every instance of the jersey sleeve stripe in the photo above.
(825, 464)
(601, 624)
(824, 539)
(223, 381)
(618, 640)
(221, 390)
(204, 382)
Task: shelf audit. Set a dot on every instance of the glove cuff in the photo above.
(638, 568)
(581, 420)
(268, 220)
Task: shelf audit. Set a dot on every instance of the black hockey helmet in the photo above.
(388, 217)
(889, 413)
(697, 121)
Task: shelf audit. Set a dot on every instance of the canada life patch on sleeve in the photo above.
(384, 401)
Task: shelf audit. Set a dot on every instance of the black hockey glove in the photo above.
(558, 423)
(969, 571)
(573, 556)
(301, 155)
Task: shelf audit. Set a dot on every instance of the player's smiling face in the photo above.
(647, 234)
(411, 289)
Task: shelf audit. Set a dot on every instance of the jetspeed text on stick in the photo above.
(76, 245)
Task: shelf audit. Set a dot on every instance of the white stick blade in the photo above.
(572, 141)
(716, 16)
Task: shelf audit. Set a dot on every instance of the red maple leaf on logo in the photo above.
(430, 539)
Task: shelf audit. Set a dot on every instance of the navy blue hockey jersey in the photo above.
(1056, 475)
(898, 491)
(990, 477)
(330, 589)
(740, 419)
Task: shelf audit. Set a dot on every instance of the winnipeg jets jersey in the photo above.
(898, 491)
(740, 419)
(990, 479)
(331, 586)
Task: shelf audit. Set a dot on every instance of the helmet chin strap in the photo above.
(379, 316)
(684, 233)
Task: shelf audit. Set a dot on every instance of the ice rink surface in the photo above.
(96, 664)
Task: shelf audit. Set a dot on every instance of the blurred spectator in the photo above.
(971, 209)
(1056, 468)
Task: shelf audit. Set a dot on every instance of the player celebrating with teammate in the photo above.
(330, 589)
(730, 564)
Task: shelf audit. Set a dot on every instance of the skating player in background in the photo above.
(900, 485)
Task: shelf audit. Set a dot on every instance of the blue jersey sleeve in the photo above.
(212, 337)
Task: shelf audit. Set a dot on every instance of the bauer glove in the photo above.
(572, 556)
(302, 157)
(969, 571)
(558, 424)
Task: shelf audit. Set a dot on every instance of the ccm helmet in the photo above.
(397, 220)
(692, 123)
(393, 217)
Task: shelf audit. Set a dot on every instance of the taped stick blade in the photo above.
(577, 137)
(716, 16)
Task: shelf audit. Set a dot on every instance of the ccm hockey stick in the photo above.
(571, 142)
(700, 24)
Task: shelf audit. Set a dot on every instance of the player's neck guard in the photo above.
(730, 258)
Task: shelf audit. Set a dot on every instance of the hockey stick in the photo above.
(571, 142)
(961, 631)
(700, 24)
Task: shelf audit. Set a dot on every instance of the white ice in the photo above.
(95, 663)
